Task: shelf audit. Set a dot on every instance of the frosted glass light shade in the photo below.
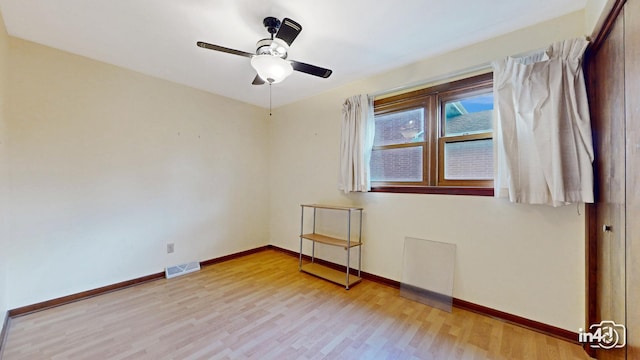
(271, 69)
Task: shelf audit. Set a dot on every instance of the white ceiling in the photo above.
(354, 38)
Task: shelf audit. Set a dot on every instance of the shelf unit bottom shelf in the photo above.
(335, 276)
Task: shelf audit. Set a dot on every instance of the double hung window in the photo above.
(436, 140)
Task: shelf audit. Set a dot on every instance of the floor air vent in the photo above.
(182, 269)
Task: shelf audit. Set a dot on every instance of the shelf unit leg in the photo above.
(313, 243)
(360, 247)
(348, 246)
(301, 232)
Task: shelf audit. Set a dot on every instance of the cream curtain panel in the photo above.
(358, 130)
(544, 151)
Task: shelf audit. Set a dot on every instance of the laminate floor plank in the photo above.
(260, 307)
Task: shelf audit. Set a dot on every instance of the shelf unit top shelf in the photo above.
(333, 207)
(330, 240)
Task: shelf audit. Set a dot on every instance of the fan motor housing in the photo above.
(274, 47)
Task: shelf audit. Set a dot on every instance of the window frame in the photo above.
(407, 105)
(433, 100)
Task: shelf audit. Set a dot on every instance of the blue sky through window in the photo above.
(478, 103)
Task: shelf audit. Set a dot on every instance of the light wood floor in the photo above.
(261, 307)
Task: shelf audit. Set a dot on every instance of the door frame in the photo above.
(610, 13)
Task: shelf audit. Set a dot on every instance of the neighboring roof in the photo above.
(470, 123)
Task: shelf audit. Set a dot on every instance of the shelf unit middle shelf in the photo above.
(331, 240)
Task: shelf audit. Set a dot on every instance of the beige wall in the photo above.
(593, 12)
(108, 166)
(524, 260)
(4, 175)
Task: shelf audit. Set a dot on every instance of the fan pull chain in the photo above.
(269, 98)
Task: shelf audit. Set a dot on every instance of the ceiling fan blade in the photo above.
(257, 80)
(224, 49)
(288, 31)
(311, 69)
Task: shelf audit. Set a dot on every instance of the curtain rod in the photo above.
(478, 68)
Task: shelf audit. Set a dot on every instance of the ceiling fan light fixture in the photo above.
(272, 69)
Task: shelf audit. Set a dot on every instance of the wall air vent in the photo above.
(182, 269)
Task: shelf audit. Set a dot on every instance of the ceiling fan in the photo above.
(270, 60)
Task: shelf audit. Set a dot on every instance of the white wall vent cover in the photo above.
(182, 269)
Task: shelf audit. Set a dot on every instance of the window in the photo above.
(436, 140)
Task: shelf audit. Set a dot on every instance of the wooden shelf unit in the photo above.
(345, 278)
